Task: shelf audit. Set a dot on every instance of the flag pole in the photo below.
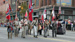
(28, 10)
(16, 7)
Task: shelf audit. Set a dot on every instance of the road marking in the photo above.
(67, 37)
(53, 39)
(2, 38)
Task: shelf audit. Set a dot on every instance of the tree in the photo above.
(1, 14)
(24, 7)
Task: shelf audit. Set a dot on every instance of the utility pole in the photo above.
(16, 6)
(60, 3)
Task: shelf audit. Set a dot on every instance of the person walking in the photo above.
(46, 24)
(54, 30)
(9, 30)
(40, 27)
(74, 25)
(16, 29)
(35, 27)
(24, 23)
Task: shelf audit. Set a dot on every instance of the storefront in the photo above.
(66, 12)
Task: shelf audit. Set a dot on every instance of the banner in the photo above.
(64, 2)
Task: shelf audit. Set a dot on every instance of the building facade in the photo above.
(67, 8)
(3, 9)
(4, 6)
(13, 7)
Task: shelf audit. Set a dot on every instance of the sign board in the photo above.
(64, 2)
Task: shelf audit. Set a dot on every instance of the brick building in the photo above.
(3, 8)
(67, 8)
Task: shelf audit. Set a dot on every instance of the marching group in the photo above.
(37, 25)
(27, 26)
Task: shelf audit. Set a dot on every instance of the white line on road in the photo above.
(3, 38)
(66, 37)
(54, 39)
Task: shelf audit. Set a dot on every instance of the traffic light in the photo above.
(4, 1)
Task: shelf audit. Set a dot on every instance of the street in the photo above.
(68, 37)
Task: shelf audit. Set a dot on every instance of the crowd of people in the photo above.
(70, 25)
(27, 26)
(2, 24)
(37, 25)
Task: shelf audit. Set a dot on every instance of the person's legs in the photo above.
(52, 33)
(8, 35)
(40, 31)
(23, 32)
(15, 32)
(11, 35)
(35, 28)
(26, 29)
(48, 32)
(55, 33)
(45, 32)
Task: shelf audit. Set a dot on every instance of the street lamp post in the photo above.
(60, 3)
(16, 6)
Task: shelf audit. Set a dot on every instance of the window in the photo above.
(34, 13)
(37, 2)
(62, 17)
(13, 5)
(74, 12)
(65, 17)
(56, 11)
(73, 18)
(48, 17)
(62, 11)
(68, 12)
(70, 17)
(48, 12)
(6, 0)
(42, 3)
(45, 2)
(13, 2)
(50, 2)
(32, 1)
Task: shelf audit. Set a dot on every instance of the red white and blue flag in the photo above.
(53, 14)
(8, 13)
(30, 10)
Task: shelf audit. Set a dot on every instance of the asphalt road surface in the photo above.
(68, 37)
